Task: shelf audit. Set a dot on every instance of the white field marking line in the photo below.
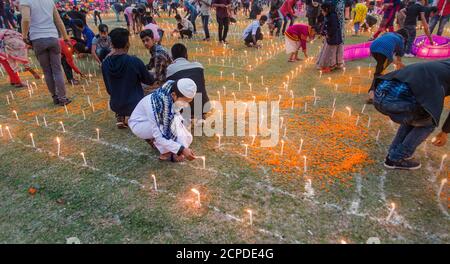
(117, 178)
(240, 220)
(102, 142)
(70, 161)
(381, 186)
(354, 207)
(397, 218)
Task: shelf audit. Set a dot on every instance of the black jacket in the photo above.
(123, 75)
(430, 84)
(182, 68)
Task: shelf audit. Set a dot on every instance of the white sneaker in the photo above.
(409, 55)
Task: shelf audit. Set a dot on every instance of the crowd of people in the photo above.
(150, 98)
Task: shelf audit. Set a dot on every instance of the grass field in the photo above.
(346, 193)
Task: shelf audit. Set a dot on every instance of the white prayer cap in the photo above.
(187, 87)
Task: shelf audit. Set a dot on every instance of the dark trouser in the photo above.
(258, 36)
(4, 22)
(205, 21)
(277, 25)
(412, 36)
(102, 53)
(415, 123)
(223, 22)
(312, 21)
(97, 14)
(382, 64)
(48, 53)
(285, 21)
(186, 32)
(67, 69)
(192, 18)
(442, 20)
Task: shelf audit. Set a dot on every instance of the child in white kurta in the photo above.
(144, 124)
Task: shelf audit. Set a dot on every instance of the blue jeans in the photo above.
(356, 27)
(205, 21)
(442, 21)
(415, 123)
(411, 37)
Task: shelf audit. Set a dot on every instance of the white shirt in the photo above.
(143, 113)
(205, 10)
(41, 24)
(251, 29)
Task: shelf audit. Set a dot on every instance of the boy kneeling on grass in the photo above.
(157, 119)
(252, 34)
(123, 75)
(184, 27)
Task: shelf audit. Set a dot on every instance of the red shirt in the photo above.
(221, 12)
(445, 10)
(66, 51)
(298, 32)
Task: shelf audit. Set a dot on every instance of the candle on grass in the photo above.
(253, 140)
(301, 146)
(62, 126)
(9, 132)
(304, 164)
(349, 110)
(1, 131)
(391, 212)
(58, 141)
(45, 121)
(98, 134)
(250, 215)
(154, 183)
(443, 182)
(442, 162)
(32, 140)
(7, 100)
(282, 147)
(364, 108)
(198, 196)
(84, 159)
(378, 136)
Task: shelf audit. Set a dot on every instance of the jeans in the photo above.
(102, 53)
(415, 123)
(223, 22)
(412, 36)
(48, 53)
(205, 21)
(97, 14)
(356, 27)
(192, 18)
(442, 21)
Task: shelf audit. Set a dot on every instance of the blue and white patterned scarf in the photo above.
(162, 109)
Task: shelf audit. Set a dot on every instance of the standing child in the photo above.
(360, 13)
(296, 37)
(332, 53)
(414, 12)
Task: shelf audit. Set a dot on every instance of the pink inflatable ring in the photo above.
(423, 49)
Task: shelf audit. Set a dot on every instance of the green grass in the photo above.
(112, 200)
